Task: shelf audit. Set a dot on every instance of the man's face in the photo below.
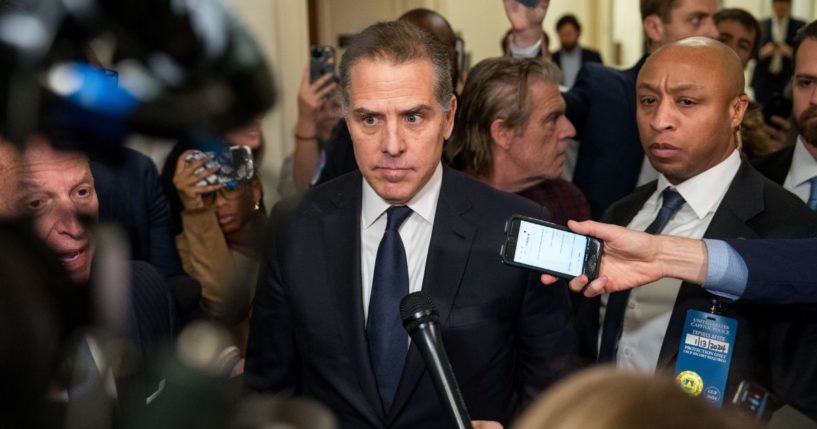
(538, 150)
(55, 189)
(685, 113)
(690, 18)
(782, 9)
(568, 36)
(397, 126)
(737, 37)
(804, 91)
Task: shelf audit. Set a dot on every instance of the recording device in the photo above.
(550, 248)
(234, 164)
(755, 401)
(778, 105)
(421, 321)
(321, 62)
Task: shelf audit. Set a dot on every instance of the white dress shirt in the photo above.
(649, 308)
(415, 232)
(803, 168)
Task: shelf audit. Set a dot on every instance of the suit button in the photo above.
(631, 304)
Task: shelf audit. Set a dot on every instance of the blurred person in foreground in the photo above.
(219, 243)
(340, 259)
(510, 133)
(603, 398)
(55, 189)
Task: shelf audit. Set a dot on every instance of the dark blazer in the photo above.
(763, 82)
(506, 335)
(588, 56)
(775, 346)
(601, 105)
(776, 165)
(130, 195)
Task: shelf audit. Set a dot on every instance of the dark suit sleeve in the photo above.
(546, 341)
(592, 56)
(578, 101)
(271, 361)
(780, 271)
(163, 253)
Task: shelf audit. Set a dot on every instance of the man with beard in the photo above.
(795, 167)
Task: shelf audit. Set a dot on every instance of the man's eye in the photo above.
(413, 119)
(34, 205)
(369, 120)
(647, 101)
(804, 83)
(686, 102)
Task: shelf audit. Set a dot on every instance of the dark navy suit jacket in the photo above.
(601, 105)
(775, 346)
(130, 195)
(506, 335)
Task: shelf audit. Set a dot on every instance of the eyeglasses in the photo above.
(231, 191)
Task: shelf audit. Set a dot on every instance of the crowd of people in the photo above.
(404, 172)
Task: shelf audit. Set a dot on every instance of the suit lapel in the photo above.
(341, 223)
(448, 254)
(742, 201)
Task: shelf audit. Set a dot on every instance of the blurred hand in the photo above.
(785, 50)
(312, 94)
(779, 132)
(526, 22)
(485, 424)
(767, 50)
(185, 180)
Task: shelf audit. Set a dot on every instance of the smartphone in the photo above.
(755, 401)
(778, 105)
(550, 248)
(234, 163)
(321, 62)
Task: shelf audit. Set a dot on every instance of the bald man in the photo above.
(690, 102)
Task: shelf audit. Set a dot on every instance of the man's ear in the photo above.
(654, 29)
(738, 110)
(501, 134)
(449, 117)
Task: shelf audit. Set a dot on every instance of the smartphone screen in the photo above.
(550, 248)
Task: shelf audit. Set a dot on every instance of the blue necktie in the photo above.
(812, 198)
(617, 303)
(388, 340)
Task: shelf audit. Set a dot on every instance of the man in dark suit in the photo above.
(774, 59)
(795, 167)
(691, 102)
(55, 190)
(571, 57)
(601, 105)
(326, 324)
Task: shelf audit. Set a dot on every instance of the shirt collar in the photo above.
(424, 202)
(704, 192)
(803, 164)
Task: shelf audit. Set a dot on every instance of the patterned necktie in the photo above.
(812, 198)
(390, 283)
(617, 303)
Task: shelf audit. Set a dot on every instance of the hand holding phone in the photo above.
(321, 62)
(549, 248)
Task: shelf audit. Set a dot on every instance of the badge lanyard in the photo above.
(705, 353)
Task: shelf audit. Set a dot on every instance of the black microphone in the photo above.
(421, 320)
